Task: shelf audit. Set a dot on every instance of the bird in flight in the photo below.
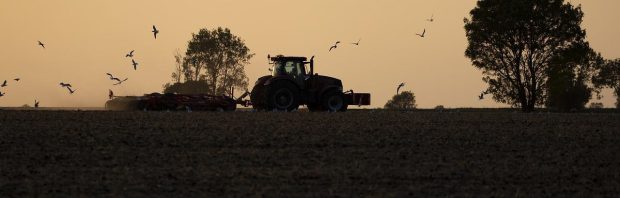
(481, 96)
(135, 65)
(16, 79)
(357, 43)
(3, 84)
(111, 76)
(423, 33)
(155, 31)
(431, 19)
(399, 86)
(334, 46)
(62, 84)
(130, 55)
(71, 91)
(120, 81)
(36, 103)
(2, 94)
(110, 94)
(42, 45)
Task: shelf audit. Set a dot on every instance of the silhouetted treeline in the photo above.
(534, 53)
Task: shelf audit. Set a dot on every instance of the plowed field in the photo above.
(358, 153)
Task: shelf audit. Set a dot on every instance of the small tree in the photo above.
(218, 57)
(404, 100)
(569, 74)
(608, 76)
(214, 59)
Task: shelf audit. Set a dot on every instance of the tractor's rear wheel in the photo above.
(334, 101)
(282, 96)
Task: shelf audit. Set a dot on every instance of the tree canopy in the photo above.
(514, 42)
(403, 100)
(214, 58)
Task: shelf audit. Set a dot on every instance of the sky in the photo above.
(87, 39)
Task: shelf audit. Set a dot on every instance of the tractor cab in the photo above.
(295, 68)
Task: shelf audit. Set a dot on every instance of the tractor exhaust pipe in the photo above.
(312, 66)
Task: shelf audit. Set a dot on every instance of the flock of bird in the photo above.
(421, 35)
(155, 31)
(69, 87)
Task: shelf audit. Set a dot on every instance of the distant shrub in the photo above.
(404, 100)
(596, 105)
(439, 107)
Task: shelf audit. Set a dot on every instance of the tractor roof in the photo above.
(284, 58)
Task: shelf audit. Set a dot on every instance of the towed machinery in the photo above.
(292, 83)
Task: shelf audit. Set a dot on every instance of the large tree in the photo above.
(513, 43)
(215, 58)
(608, 76)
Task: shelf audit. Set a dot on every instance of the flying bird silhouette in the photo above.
(357, 43)
(110, 94)
(135, 65)
(334, 46)
(399, 86)
(2, 94)
(155, 31)
(431, 19)
(65, 84)
(423, 33)
(42, 45)
(71, 91)
(36, 103)
(130, 55)
(16, 79)
(3, 84)
(481, 96)
(120, 81)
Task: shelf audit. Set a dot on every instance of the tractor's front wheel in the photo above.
(282, 96)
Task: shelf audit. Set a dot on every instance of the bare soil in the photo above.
(301, 154)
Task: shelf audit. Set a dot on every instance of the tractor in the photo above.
(293, 83)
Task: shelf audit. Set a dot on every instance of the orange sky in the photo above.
(85, 40)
